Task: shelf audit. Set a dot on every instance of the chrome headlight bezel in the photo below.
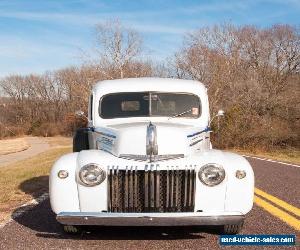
(91, 169)
(213, 168)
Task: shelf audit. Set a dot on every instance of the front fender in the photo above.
(63, 192)
(238, 193)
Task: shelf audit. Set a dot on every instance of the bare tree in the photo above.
(117, 46)
(250, 72)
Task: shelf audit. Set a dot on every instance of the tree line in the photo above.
(252, 73)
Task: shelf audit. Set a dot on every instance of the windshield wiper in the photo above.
(180, 114)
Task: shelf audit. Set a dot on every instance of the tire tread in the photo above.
(232, 228)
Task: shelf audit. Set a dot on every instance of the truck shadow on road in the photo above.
(41, 219)
(35, 186)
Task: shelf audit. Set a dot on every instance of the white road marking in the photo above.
(25, 207)
(270, 160)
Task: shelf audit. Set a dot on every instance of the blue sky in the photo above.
(40, 35)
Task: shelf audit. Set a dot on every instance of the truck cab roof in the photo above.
(149, 84)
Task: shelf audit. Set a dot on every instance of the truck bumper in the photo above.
(146, 219)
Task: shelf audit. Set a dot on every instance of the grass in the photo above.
(21, 181)
(286, 155)
(13, 145)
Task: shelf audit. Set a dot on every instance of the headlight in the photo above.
(211, 174)
(91, 175)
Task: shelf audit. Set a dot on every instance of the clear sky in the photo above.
(40, 35)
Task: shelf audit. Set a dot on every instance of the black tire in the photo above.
(69, 229)
(81, 140)
(232, 229)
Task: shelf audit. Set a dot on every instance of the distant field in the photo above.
(13, 145)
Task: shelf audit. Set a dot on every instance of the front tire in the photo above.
(232, 228)
(70, 229)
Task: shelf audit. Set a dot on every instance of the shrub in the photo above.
(47, 129)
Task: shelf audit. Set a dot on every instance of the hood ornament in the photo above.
(151, 141)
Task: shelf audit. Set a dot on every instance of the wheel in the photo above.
(71, 229)
(232, 228)
(81, 140)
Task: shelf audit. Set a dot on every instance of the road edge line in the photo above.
(271, 160)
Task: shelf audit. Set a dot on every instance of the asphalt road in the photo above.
(37, 228)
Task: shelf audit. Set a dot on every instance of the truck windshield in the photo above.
(145, 104)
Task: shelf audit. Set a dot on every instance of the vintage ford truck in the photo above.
(146, 159)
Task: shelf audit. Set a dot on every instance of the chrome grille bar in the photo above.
(191, 181)
(117, 189)
(131, 190)
(194, 185)
(152, 187)
(114, 192)
(109, 193)
(176, 187)
(157, 189)
(135, 189)
(146, 187)
(126, 191)
(168, 189)
(172, 187)
(185, 186)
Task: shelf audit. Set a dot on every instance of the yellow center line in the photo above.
(288, 207)
(289, 219)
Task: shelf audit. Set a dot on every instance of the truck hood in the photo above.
(130, 138)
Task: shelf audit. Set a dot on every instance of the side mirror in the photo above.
(80, 114)
(219, 114)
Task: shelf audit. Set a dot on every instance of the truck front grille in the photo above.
(151, 190)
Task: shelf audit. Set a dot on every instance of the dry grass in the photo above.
(21, 181)
(59, 141)
(9, 146)
(286, 155)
